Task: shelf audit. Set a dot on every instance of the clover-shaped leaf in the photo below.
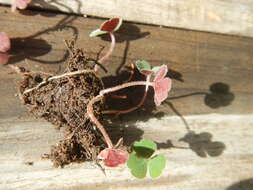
(144, 67)
(137, 165)
(113, 157)
(140, 160)
(162, 85)
(111, 25)
(156, 165)
(144, 148)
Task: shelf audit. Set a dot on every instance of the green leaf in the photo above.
(155, 69)
(143, 65)
(144, 148)
(156, 165)
(137, 165)
(97, 32)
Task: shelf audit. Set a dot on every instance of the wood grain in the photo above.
(205, 135)
(219, 155)
(229, 16)
(197, 60)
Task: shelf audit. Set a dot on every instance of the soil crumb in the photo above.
(63, 101)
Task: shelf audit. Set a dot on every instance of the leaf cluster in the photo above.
(142, 160)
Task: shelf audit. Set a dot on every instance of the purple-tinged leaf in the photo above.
(146, 72)
(111, 25)
(161, 88)
(144, 67)
(5, 43)
(113, 157)
(161, 73)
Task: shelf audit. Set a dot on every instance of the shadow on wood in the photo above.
(242, 185)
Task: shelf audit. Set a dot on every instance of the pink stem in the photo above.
(125, 85)
(135, 107)
(13, 6)
(107, 55)
(90, 110)
(90, 113)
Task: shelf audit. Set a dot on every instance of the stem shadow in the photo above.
(200, 143)
(32, 47)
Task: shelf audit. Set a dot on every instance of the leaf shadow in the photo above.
(219, 96)
(200, 143)
(34, 46)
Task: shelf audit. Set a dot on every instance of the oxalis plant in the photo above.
(141, 158)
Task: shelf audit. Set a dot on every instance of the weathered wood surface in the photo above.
(226, 142)
(197, 60)
(222, 16)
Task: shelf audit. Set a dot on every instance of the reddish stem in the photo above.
(134, 107)
(13, 6)
(125, 85)
(107, 55)
(90, 110)
(90, 113)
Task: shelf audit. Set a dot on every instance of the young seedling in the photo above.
(161, 83)
(112, 156)
(20, 4)
(141, 160)
(5, 45)
(109, 27)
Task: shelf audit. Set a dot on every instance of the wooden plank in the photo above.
(228, 17)
(197, 60)
(23, 141)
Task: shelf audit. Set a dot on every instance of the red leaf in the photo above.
(162, 88)
(111, 25)
(4, 57)
(146, 72)
(161, 73)
(113, 157)
(5, 43)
